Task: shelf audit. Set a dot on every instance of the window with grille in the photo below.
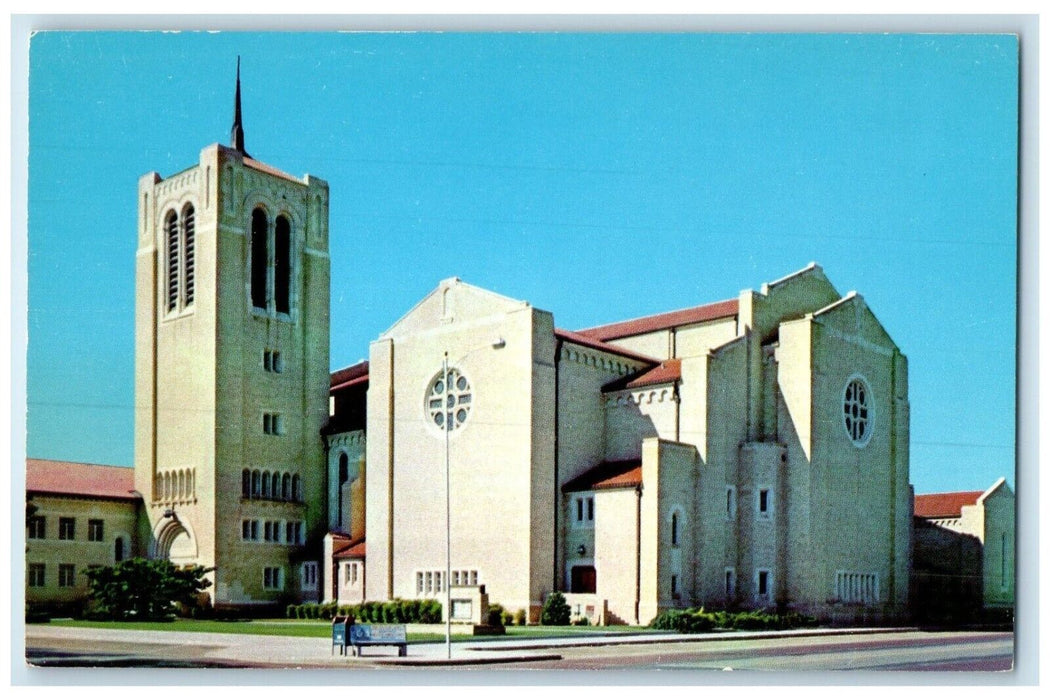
(857, 411)
(67, 575)
(856, 587)
(449, 399)
(67, 528)
(37, 529)
(36, 575)
(171, 235)
(282, 259)
(189, 254)
(273, 424)
(273, 578)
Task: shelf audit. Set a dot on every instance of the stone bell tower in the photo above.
(231, 371)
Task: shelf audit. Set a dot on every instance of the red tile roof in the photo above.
(352, 550)
(944, 505)
(670, 319)
(607, 475)
(664, 373)
(78, 479)
(349, 376)
(596, 344)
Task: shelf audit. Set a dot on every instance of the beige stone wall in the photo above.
(500, 475)
(615, 552)
(201, 387)
(849, 343)
(119, 520)
(350, 494)
(634, 415)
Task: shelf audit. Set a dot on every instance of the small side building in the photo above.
(77, 516)
(964, 548)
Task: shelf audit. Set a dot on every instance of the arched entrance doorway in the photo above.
(173, 540)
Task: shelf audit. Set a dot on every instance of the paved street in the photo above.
(810, 650)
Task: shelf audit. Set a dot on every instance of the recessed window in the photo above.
(764, 507)
(273, 424)
(37, 528)
(583, 511)
(272, 361)
(94, 530)
(67, 528)
(449, 399)
(730, 511)
(730, 582)
(857, 411)
(309, 576)
(674, 585)
(36, 575)
(762, 583)
(282, 258)
(273, 578)
(674, 529)
(67, 575)
(260, 236)
(189, 254)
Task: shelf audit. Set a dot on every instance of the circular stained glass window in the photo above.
(857, 411)
(449, 399)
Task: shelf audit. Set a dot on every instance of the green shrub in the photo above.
(144, 589)
(555, 610)
(520, 618)
(495, 615)
(580, 621)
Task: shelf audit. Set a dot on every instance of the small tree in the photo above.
(555, 610)
(143, 589)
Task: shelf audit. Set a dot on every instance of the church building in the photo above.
(746, 453)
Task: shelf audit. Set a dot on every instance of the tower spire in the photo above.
(237, 131)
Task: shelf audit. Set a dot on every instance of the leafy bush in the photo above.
(519, 618)
(495, 616)
(393, 611)
(697, 620)
(555, 610)
(143, 589)
(580, 621)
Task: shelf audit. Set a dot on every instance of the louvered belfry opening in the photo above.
(171, 232)
(282, 264)
(189, 253)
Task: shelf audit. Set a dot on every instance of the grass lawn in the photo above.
(322, 629)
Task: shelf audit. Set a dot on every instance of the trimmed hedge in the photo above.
(393, 611)
(698, 620)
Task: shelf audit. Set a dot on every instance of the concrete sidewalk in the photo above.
(307, 652)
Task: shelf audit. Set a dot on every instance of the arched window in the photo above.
(180, 491)
(282, 264)
(246, 483)
(275, 485)
(118, 549)
(259, 253)
(171, 236)
(286, 486)
(266, 484)
(297, 488)
(344, 468)
(189, 234)
(255, 483)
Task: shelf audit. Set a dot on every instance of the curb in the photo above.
(428, 661)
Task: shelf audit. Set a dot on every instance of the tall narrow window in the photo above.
(189, 257)
(171, 235)
(674, 529)
(260, 224)
(282, 261)
(118, 549)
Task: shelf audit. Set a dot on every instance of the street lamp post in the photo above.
(449, 418)
(448, 521)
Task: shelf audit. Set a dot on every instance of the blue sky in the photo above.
(599, 176)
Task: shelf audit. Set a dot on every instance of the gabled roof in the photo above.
(944, 505)
(670, 319)
(350, 376)
(354, 549)
(79, 479)
(607, 475)
(596, 344)
(664, 373)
